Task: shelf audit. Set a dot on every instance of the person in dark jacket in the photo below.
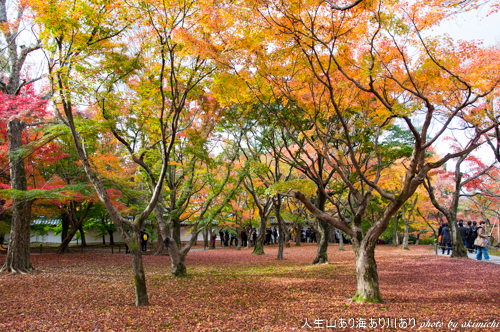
(440, 230)
(243, 235)
(308, 235)
(269, 232)
(144, 240)
(233, 238)
(463, 232)
(221, 234)
(472, 237)
(313, 236)
(446, 240)
(469, 232)
(275, 235)
(254, 237)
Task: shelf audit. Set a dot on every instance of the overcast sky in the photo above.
(474, 25)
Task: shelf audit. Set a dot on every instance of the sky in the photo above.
(468, 26)
(474, 25)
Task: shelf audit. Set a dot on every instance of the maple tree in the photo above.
(352, 74)
(483, 198)
(20, 106)
(296, 152)
(78, 200)
(145, 116)
(266, 170)
(446, 194)
(227, 113)
(72, 45)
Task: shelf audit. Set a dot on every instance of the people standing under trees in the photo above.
(313, 236)
(244, 238)
(221, 234)
(275, 235)
(481, 242)
(144, 240)
(226, 238)
(214, 237)
(469, 236)
(308, 235)
(269, 232)
(446, 239)
(345, 239)
(440, 230)
(233, 238)
(472, 237)
(254, 237)
(463, 232)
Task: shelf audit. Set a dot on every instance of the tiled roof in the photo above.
(57, 221)
(44, 221)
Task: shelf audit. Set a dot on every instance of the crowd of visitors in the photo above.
(474, 237)
(248, 236)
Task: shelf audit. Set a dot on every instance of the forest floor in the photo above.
(230, 290)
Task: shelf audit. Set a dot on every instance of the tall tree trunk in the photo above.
(407, 235)
(259, 243)
(297, 234)
(65, 230)
(82, 235)
(141, 292)
(176, 231)
(178, 257)
(395, 239)
(160, 248)
(406, 219)
(281, 237)
(18, 254)
(457, 246)
(64, 245)
(331, 231)
(205, 239)
(111, 240)
(287, 239)
(163, 230)
(322, 253)
(366, 274)
(238, 238)
(76, 224)
(178, 260)
(249, 237)
(65, 226)
(341, 241)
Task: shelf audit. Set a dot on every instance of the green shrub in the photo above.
(427, 241)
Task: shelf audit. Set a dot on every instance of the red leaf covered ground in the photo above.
(229, 290)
